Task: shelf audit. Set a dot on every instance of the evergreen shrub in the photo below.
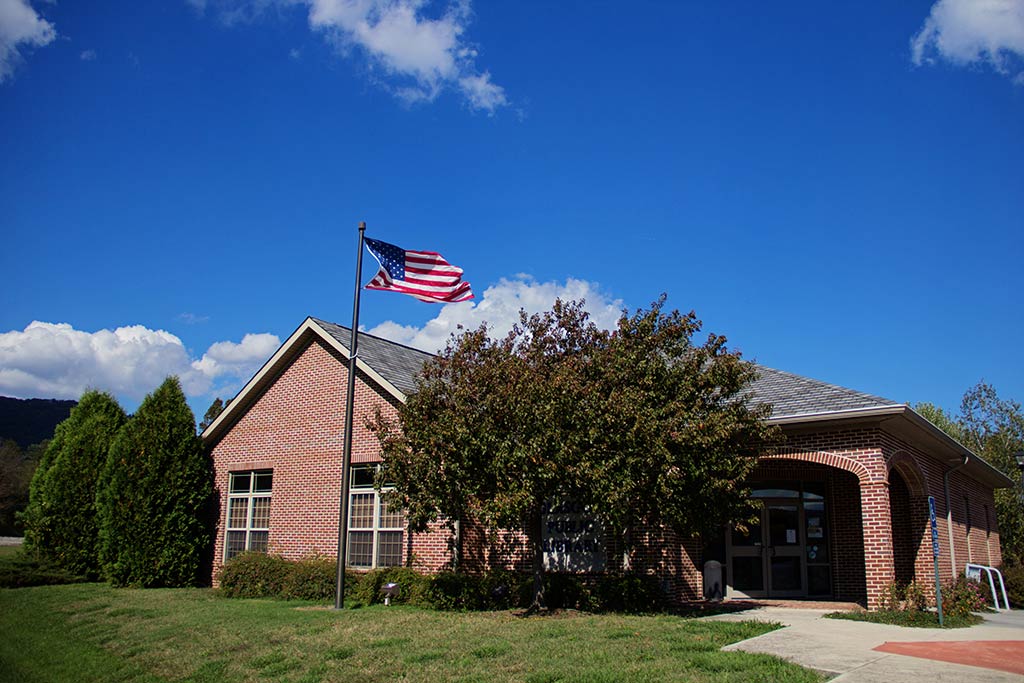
(457, 591)
(259, 575)
(414, 588)
(314, 578)
(153, 496)
(61, 525)
(629, 592)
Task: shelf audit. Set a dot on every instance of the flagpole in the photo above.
(346, 457)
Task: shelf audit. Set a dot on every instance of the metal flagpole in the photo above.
(346, 458)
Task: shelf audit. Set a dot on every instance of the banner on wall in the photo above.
(573, 538)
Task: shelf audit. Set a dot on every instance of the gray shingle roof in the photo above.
(792, 394)
(789, 394)
(396, 363)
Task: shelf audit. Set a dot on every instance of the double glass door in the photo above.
(785, 553)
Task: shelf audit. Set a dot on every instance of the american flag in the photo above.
(422, 274)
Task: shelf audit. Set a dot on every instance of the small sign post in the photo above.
(935, 555)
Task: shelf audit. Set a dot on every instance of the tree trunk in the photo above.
(535, 536)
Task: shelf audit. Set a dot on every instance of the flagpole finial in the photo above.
(362, 225)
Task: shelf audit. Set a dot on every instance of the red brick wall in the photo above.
(296, 428)
(918, 468)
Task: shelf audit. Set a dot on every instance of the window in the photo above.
(967, 528)
(248, 525)
(374, 530)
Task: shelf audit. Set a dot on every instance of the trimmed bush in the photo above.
(414, 588)
(61, 526)
(153, 496)
(456, 591)
(314, 578)
(255, 575)
(630, 593)
(565, 591)
(500, 589)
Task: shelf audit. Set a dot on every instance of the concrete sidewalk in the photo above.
(845, 649)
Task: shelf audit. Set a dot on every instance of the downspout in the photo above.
(949, 512)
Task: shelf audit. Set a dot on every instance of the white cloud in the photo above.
(499, 308)
(54, 360)
(419, 55)
(237, 360)
(87, 55)
(20, 27)
(966, 32)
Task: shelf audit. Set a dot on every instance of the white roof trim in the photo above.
(893, 409)
(360, 363)
(283, 354)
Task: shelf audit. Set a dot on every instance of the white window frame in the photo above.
(376, 529)
(249, 497)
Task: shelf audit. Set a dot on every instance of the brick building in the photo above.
(844, 505)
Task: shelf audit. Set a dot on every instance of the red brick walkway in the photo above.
(1002, 655)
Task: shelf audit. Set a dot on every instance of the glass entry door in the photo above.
(773, 559)
(785, 549)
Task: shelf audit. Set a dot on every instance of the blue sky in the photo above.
(836, 188)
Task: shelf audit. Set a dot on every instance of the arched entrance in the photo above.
(807, 540)
(909, 509)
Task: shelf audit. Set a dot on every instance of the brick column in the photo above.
(876, 519)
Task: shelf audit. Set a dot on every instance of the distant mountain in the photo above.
(30, 420)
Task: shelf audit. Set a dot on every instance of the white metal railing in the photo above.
(973, 572)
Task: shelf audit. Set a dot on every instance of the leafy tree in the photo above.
(60, 521)
(641, 425)
(215, 409)
(993, 428)
(154, 490)
(941, 419)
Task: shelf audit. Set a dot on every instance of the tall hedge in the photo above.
(61, 525)
(153, 494)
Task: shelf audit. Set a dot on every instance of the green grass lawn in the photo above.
(9, 550)
(917, 618)
(91, 632)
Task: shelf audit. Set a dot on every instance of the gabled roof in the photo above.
(392, 366)
(396, 363)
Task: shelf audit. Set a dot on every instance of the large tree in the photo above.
(641, 424)
(154, 490)
(993, 428)
(60, 520)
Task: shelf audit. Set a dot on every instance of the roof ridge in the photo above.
(371, 336)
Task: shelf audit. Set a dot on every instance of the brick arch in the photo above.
(909, 470)
(841, 462)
